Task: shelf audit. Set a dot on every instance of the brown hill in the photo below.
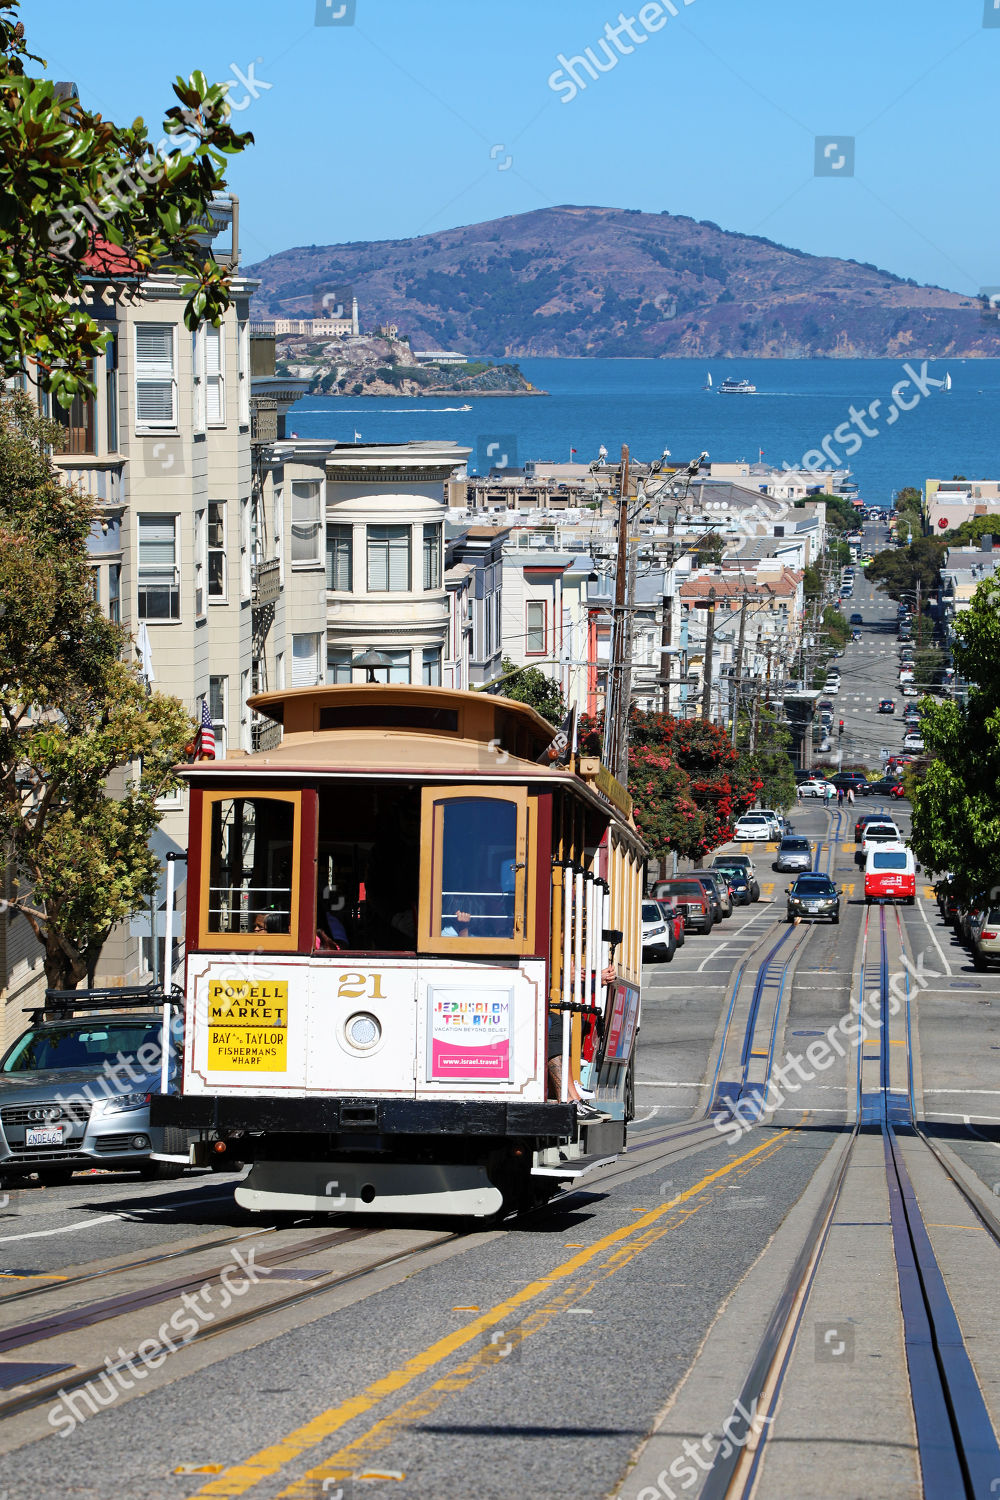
(616, 282)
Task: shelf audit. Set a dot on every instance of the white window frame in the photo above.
(215, 375)
(223, 595)
(200, 562)
(279, 532)
(167, 375)
(243, 371)
(219, 726)
(432, 534)
(529, 630)
(246, 733)
(301, 677)
(371, 540)
(198, 380)
(245, 579)
(335, 530)
(317, 559)
(175, 586)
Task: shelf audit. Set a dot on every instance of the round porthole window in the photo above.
(363, 1031)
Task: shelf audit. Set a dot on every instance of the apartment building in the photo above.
(190, 536)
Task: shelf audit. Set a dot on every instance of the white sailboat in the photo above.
(947, 380)
(708, 382)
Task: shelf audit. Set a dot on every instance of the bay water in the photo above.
(910, 427)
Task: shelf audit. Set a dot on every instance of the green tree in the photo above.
(836, 627)
(769, 760)
(84, 750)
(82, 194)
(687, 782)
(840, 513)
(900, 569)
(530, 685)
(956, 798)
(971, 532)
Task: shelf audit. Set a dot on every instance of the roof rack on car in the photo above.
(126, 997)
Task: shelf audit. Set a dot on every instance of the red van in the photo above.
(890, 874)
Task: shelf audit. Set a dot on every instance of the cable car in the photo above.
(413, 940)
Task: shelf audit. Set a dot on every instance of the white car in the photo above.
(814, 788)
(754, 826)
(882, 832)
(909, 691)
(913, 742)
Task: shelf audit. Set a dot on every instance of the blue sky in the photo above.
(409, 116)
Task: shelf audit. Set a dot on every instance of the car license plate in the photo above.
(812, 906)
(52, 1135)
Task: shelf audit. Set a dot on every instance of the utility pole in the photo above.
(616, 705)
(706, 692)
(738, 679)
(666, 632)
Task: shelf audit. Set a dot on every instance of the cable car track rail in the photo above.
(958, 1449)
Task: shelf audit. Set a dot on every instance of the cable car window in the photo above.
(474, 884)
(479, 857)
(251, 863)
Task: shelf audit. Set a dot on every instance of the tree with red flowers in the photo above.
(687, 783)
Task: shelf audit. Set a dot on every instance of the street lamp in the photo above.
(370, 661)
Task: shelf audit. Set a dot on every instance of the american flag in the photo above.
(206, 734)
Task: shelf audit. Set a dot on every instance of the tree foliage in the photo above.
(687, 782)
(769, 759)
(530, 685)
(956, 802)
(971, 532)
(900, 569)
(72, 184)
(84, 750)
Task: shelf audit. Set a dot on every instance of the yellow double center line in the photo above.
(623, 1244)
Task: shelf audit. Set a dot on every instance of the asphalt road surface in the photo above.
(753, 1261)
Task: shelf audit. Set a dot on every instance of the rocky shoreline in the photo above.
(376, 366)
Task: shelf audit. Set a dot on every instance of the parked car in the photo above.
(888, 786)
(817, 787)
(986, 943)
(824, 703)
(691, 900)
(62, 1113)
(851, 781)
(751, 826)
(794, 853)
(777, 818)
(717, 886)
(913, 741)
(813, 895)
(673, 917)
(971, 916)
(909, 691)
(906, 673)
(738, 882)
(886, 706)
(727, 862)
(658, 941)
